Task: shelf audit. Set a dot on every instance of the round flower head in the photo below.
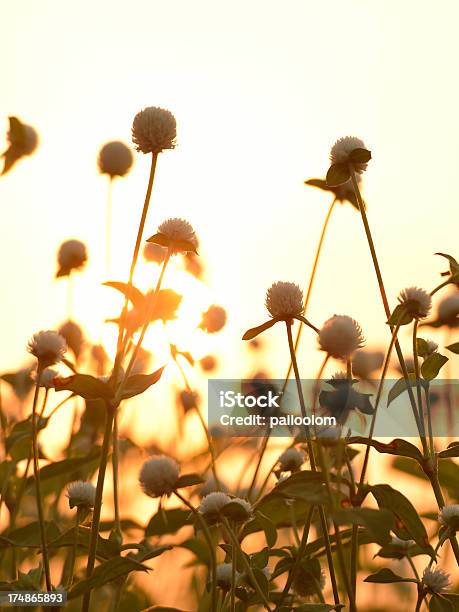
(284, 300)
(72, 255)
(435, 581)
(115, 159)
(48, 347)
(153, 130)
(212, 504)
(224, 575)
(342, 149)
(22, 140)
(291, 460)
(340, 336)
(81, 494)
(178, 231)
(449, 516)
(159, 476)
(208, 363)
(47, 378)
(213, 320)
(73, 335)
(416, 301)
(305, 584)
(448, 309)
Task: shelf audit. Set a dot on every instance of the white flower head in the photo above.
(115, 159)
(449, 516)
(416, 301)
(72, 255)
(449, 308)
(47, 378)
(291, 460)
(224, 575)
(159, 476)
(212, 504)
(214, 319)
(365, 362)
(73, 335)
(342, 149)
(340, 336)
(284, 299)
(178, 231)
(81, 494)
(154, 129)
(48, 347)
(436, 581)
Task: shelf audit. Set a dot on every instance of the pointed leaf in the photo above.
(378, 522)
(438, 603)
(255, 331)
(189, 480)
(337, 175)
(138, 383)
(168, 522)
(360, 156)
(399, 316)
(84, 385)
(432, 365)
(402, 385)
(396, 447)
(451, 451)
(385, 576)
(132, 293)
(454, 348)
(268, 527)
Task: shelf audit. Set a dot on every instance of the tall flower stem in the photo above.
(108, 225)
(36, 470)
(237, 546)
(73, 550)
(417, 373)
(208, 538)
(109, 416)
(115, 469)
(323, 518)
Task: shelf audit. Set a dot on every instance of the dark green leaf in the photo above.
(451, 451)
(75, 468)
(305, 485)
(438, 603)
(399, 316)
(255, 331)
(337, 175)
(18, 443)
(422, 347)
(260, 559)
(448, 473)
(378, 522)
(318, 607)
(29, 535)
(168, 521)
(268, 527)
(84, 385)
(189, 480)
(199, 548)
(138, 383)
(105, 547)
(432, 365)
(396, 447)
(454, 348)
(360, 156)
(402, 385)
(385, 576)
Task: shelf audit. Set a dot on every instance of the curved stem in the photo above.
(109, 416)
(208, 538)
(36, 470)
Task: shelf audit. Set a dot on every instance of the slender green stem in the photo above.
(109, 416)
(237, 546)
(417, 373)
(36, 469)
(421, 595)
(413, 567)
(208, 538)
(429, 419)
(233, 581)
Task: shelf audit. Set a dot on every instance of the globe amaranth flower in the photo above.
(177, 235)
(212, 504)
(284, 299)
(73, 335)
(291, 460)
(22, 140)
(449, 517)
(416, 302)
(115, 159)
(342, 149)
(340, 336)
(435, 581)
(213, 320)
(159, 476)
(48, 347)
(154, 129)
(72, 255)
(81, 494)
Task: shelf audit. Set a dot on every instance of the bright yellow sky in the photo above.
(261, 90)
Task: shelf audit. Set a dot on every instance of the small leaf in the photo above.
(199, 548)
(360, 156)
(385, 576)
(260, 559)
(438, 603)
(378, 522)
(255, 331)
(337, 175)
(168, 522)
(399, 316)
(396, 447)
(268, 527)
(432, 365)
(188, 480)
(454, 348)
(138, 383)
(422, 347)
(84, 385)
(402, 385)
(451, 451)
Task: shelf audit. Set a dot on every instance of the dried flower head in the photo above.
(435, 581)
(213, 320)
(159, 476)
(115, 159)
(48, 347)
(340, 336)
(73, 335)
(81, 494)
(448, 308)
(341, 150)
(153, 130)
(72, 255)
(284, 299)
(22, 140)
(416, 301)
(212, 504)
(177, 235)
(449, 516)
(291, 460)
